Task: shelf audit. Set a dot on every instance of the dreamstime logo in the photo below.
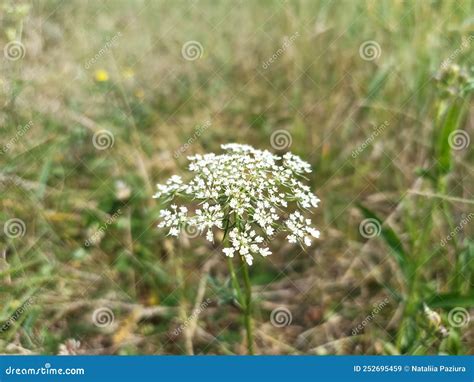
(370, 50)
(287, 41)
(378, 130)
(458, 317)
(14, 51)
(194, 314)
(16, 315)
(45, 370)
(281, 317)
(369, 228)
(192, 50)
(459, 140)
(271, 235)
(457, 229)
(103, 140)
(97, 236)
(197, 133)
(14, 228)
(370, 317)
(103, 317)
(281, 140)
(21, 130)
(109, 44)
(465, 45)
(191, 231)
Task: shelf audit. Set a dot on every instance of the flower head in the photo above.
(101, 75)
(246, 193)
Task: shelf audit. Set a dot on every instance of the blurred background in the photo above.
(99, 101)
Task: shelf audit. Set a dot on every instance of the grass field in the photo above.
(102, 100)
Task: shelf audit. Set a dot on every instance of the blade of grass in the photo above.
(391, 239)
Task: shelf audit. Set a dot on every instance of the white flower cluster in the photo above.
(245, 192)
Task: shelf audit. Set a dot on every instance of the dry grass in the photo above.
(319, 89)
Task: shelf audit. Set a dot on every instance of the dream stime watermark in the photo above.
(377, 309)
(287, 42)
(457, 229)
(17, 314)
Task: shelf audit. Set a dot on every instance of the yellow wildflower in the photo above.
(101, 75)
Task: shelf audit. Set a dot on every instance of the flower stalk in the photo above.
(248, 307)
(245, 302)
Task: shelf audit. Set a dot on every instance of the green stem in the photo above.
(443, 189)
(248, 307)
(235, 282)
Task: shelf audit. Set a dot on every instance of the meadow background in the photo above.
(101, 100)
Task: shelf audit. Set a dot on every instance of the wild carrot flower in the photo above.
(247, 193)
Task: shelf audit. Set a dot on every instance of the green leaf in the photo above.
(378, 82)
(44, 174)
(451, 300)
(450, 122)
(425, 173)
(391, 238)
